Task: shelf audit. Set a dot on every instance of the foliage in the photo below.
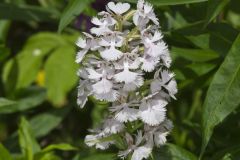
(39, 118)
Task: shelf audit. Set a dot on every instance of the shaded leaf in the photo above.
(26, 13)
(223, 94)
(202, 40)
(73, 9)
(195, 55)
(52, 119)
(173, 152)
(5, 102)
(201, 68)
(4, 27)
(214, 8)
(32, 97)
(169, 2)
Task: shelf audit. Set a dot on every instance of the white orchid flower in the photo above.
(153, 112)
(86, 44)
(126, 75)
(144, 13)
(111, 126)
(118, 8)
(123, 113)
(110, 52)
(103, 25)
(149, 63)
(116, 73)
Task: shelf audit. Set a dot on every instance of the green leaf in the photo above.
(202, 40)
(100, 157)
(231, 153)
(173, 152)
(201, 68)
(195, 55)
(61, 146)
(4, 53)
(73, 9)
(168, 2)
(5, 102)
(26, 13)
(4, 27)
(61, 76)
(25, 66)
(223, 94)
(214, 8)
(52, 119)
(44, 42)
(46, 152)
(48, 156)
(32, 97)
(28, 144)
(4, 154)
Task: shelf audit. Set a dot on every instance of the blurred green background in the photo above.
(39, 118)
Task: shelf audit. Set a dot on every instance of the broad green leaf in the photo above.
(61, 146)
(202, 40)
(28, 62)
(201, 68)
(231, 153)
(47, 156)
(223, 94)
(26, 13)
(168, 2)
(105, 156)
(214, 8)
(5, 102)
(32, 97)
(4, 27)
(73, 9)
(195, 55)
(4, 53)
(44, 123)
(25, 67)
(61, 76)
(29, 146)
(4, 154)
(173, 152)
(46, 152)
(44, 42)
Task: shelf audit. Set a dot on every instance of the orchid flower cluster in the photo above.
(116, 61)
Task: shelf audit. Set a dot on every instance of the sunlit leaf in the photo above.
(223, 94)
(4, 154)
(61, 76)
(28, 144)
(61, 146)
(105, 156)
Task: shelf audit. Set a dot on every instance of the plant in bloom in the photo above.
(123, 46)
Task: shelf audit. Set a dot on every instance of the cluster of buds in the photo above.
(116, 61)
